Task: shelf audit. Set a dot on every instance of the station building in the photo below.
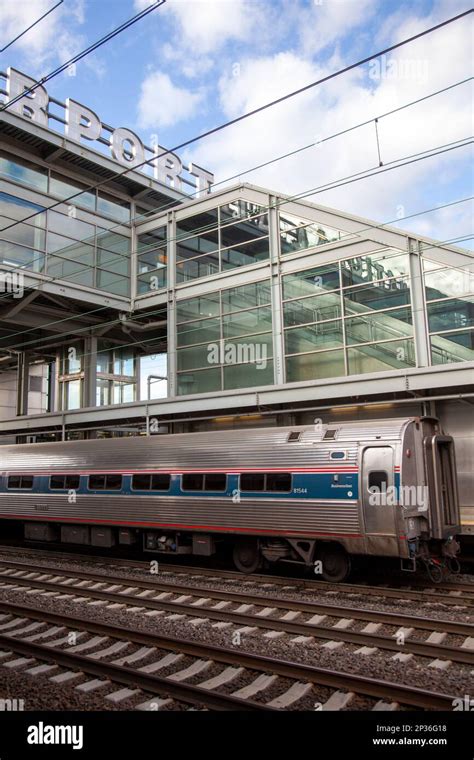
(268, 309)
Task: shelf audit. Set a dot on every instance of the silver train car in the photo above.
(316, 495)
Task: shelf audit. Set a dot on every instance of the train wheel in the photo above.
(247, 557)
(336, 563)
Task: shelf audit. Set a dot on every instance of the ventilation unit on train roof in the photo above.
(294, 436)
(330, 434)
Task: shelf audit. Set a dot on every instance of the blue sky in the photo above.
(193, 64)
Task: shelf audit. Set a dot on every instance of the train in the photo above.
(317, 495)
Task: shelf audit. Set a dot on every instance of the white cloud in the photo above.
(163, 104)
(206, 25)
(53, 38)
(322, 24)
(342, 102)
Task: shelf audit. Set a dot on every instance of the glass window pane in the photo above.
(113, 283)
(68, 269)
(73, 394)
(113, 207)
(243, 231)
(381, 326)
(452, 347)
(192, 358)
(73, 228)
(17, 255)
(124, 362)
(156, 259)
(161, 482)
(445, 282)
(192, 481)
(70, 249)
(298, 234)
(215, 481)
(252, 481)
(278, 481)
(245, 254)
(203, 222)
(64, 188)
(103, 392)
(255, 294)
(317, 309)
(150, 240)
(397, 354)
(451, 315)
(311, 282)
(248, 375)
(238, 209)
(315, 366)
(203, 381)
(196, 246)
(376, 266)
(19, 209)
(24, 172)
(24, 234)
(381, 295)
(208, 330)
(141, 482)
(205, 266)
(110, 241)
(203, 306)
(311, 337)
(245, 322)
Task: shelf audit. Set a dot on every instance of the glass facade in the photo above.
(152, 260)
(225, 339)
(349, 317)
(229, 236)
(449, 294)
(297, 234)
(73, 242)
(116, 376)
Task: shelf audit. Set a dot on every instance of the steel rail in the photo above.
(366, 685)
(434, 651)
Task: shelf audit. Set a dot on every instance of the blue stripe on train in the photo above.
(305, 485)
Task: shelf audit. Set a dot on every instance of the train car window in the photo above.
(146, 482)
(141, 482)
(278, 482)
(252, 481)
(192, 481)
(215, 481)
(64, 482)
(330, 435)
(337, 455)
(20, 481)
(161, 482)
(378, 480)
(105, 482)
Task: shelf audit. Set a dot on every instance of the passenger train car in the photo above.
(316, 495)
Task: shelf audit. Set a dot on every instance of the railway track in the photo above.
(38, 653)
(249, 612)
(456, 592)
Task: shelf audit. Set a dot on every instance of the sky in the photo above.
(193, 64)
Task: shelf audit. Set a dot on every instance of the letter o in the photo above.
(118, 144)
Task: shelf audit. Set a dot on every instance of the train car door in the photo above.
(378, 493)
